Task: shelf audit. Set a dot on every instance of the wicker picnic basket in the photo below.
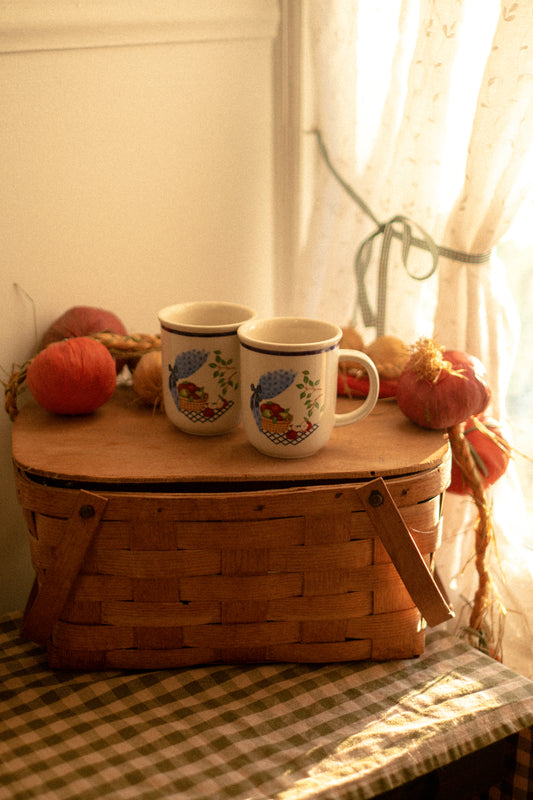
(193, 405)
(169, 574)
(270, 425)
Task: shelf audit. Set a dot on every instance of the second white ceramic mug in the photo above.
(200, 362)
(289, 368)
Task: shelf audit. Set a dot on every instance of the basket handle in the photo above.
(403, 552)
(46, 603)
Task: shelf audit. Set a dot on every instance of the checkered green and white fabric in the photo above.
(253, 732)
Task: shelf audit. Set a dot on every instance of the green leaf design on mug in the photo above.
(225, 371)
(311, 392)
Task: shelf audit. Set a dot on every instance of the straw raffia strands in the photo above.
(485, 595)
(130, 347)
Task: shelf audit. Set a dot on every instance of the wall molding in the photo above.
(35, 25)
(287, 146)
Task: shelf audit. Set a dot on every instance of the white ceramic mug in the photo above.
(289, 368)
(200, 362)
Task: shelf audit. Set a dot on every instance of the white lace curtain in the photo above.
(426, 110)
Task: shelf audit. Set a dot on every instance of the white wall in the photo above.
(136, 170)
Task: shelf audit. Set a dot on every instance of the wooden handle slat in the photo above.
(41, 615)
(404, 552)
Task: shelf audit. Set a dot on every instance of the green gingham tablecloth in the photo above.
(252, 732)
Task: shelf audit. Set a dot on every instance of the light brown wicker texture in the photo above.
(169, 575)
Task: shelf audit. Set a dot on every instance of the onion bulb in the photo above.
(74, 376)
(440, 388)
(83, 321)
(490, 452)
(148, 378)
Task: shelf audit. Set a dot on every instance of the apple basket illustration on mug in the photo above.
(276, 421)
(193, 400)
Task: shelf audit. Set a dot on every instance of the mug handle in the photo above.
(357, 414)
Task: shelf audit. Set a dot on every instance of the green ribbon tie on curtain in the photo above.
(363, 259)
(398, 227)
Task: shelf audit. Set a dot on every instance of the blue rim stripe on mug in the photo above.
(198, 333)
(290, 353)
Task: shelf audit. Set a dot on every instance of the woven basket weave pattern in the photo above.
(282, 426)
(295, 574)
(192, 405)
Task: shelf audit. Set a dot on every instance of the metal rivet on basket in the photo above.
(86, 512)
(375, 498)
